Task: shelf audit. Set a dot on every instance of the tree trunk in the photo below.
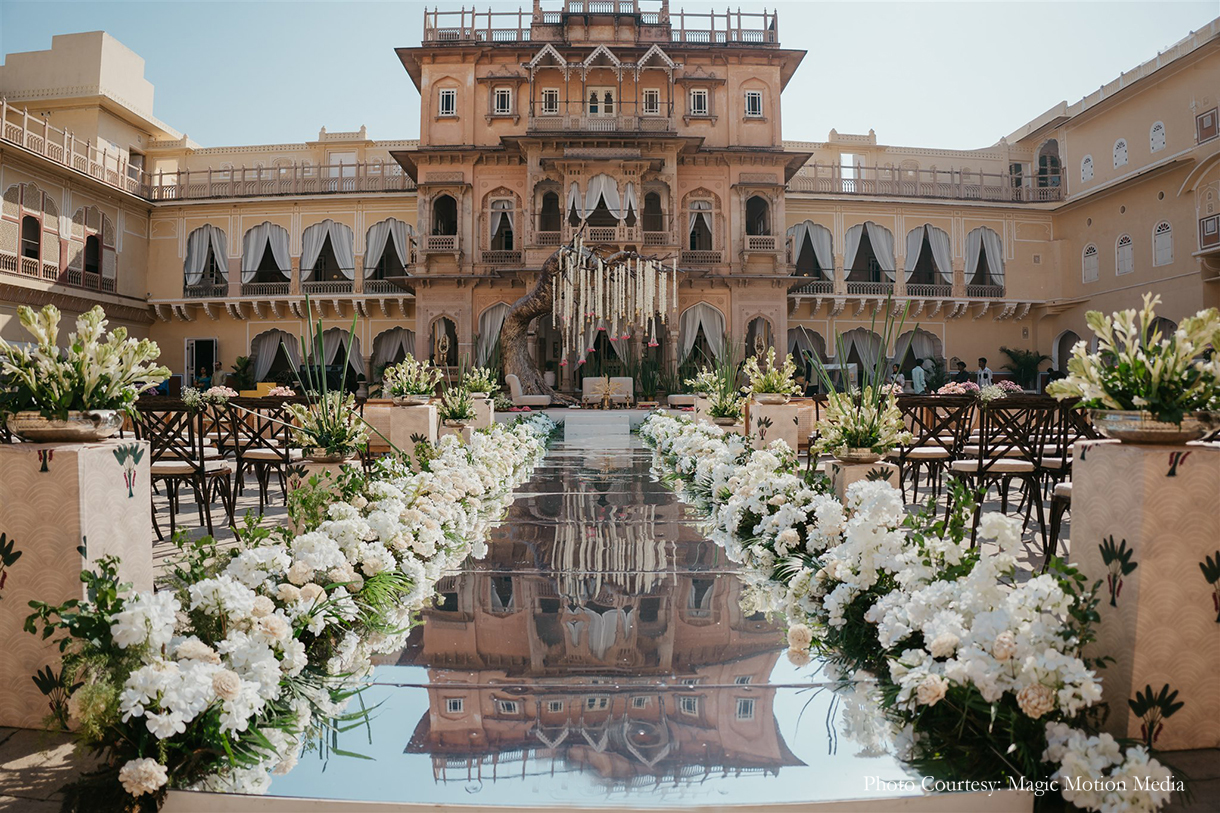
(514, 335)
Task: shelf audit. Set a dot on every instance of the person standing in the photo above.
(204, 380)
(962, 376)
(919, 378)
(896, 377)
(984, 374)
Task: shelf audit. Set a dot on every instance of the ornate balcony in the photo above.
(985, 291)
(761, 242)
(555, 123)
(207, 290)
(816, 287)
(263, 289)
(832, 179)
(870, 288)
(701, 258)
(502, 257)
(334, 286)
(930, 291)
(441, 243)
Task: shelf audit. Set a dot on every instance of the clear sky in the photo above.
(951, 75)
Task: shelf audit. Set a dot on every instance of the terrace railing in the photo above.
(955, 184)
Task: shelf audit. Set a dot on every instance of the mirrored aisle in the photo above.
(597, 656)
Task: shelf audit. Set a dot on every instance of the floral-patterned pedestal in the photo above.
(54, 499)
(843, 474)
(702, 405)
(1146, 524)
(770, 422)
(485, 413)
(462, 431)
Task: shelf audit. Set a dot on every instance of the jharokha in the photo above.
(644, 132)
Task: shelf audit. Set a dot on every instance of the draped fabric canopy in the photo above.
(942, 253)
(266, 346)
(379, 236)
(701, 210)
(334, 347)
(802, 340)
(574, 202)
(923, 344)
(197, 245)
(914, 247)
(391, 346)
(701, 315)
(341, 243)
(984, 240)
(867, 345)
(254, 245)
(490, 323)
(630, 203)
(879, 237)
(819, 238)
(501, 210)
(603, 188)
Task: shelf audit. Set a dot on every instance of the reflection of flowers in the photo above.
(1118, 561)
(129, 455)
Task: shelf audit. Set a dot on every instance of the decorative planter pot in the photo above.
(858, 456)
(81, 427)
(410, 400)
(771, 398)
(724, 421)
(323, 457)
(479, 395)
(454, 424)
(1138, 426)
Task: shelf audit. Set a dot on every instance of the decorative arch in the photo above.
(1062, 349)
(1162, 243)
(1156, 136)
(1124, 255)
(390, 347)
(705, 318)
(812, 250)
(760, 334)
(443, 340)
(265, 250)
(1049, 165)
(490, 322)
(1120, 153)
(916, 345)
(1086, 169)
(1089, 263)
(207, 256)
(699, 216)
(388, 248)
(274, 352)
(984, 257)
(91, 225)
(880, 242)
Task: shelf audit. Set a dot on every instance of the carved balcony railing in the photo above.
(985, 291)
(265, 289)
(502, 257)
(656, 238)
(923, 183)
(870, 288)
(817, 287)
(547, 238)
(334, 286)
(384, 286)
(207, 290)
(935, 291)
(440, 242)
(556, 123)
(701, 258)
(761, 242)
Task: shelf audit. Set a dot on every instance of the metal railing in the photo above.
(333, 286)
(937, 290)
(265, 288)
(870, 288)
(383, 286)
(819, 286)
(206, 290)
(985, 291)
(502, 257)
(921, 183)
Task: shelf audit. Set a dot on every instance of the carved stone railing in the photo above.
(267, 289)
(339, 286)
(440, 242)
(207, 290)
(761, 242)
(502, 257)
(985, 291)
(870, 288)
(929, 291)
(701, 258)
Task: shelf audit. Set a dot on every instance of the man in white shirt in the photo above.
(984, 374)
(919, 378)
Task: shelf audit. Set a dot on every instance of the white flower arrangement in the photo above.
(221, 680)
(860, 419)
(329, 425)
(98, 370)
(951, 624)
(281, 392)
(770, 377)
(410, 377)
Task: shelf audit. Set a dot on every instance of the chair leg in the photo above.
(1037, 498)
(156, 525)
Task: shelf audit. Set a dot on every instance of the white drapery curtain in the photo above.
(942, 253)
(490, 323)
(914, 246)
(802, 340)
(820, 238)
(619, 345)
(381, 234)
(985, 240)
(867, 345)
(603, 187)
(254, 245)
(630, 203)
(924, 344)
(265, 348)
(852, 246)
(701, 314)
(387, 345)
(334, 347)
(700, 209)
(197, 245)
(574, 202)
(882, 241)
(501, 210)
(314, 238)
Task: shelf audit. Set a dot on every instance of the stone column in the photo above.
(62, 507)
(1145, 524)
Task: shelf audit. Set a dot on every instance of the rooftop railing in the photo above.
(297, 179)
(925, 183)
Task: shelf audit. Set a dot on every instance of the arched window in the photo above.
(1120, 153)
(1063, 349)
(206, 257)
(759, 336)
(265, 257)
(31, 237)
(1156, 137)
(502, 225)
(812, 250)
(550, 218)
(1089, 264)
(93, 254)
(1124, 255)
(654, 217)
(387, 249)
(1162, 244)
(1048, 164)
(327, 253)
(869, 252)
(700, 225)
(758, 216)
(1086, 168)
(444, 215)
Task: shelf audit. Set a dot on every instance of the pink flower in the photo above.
(653, 344)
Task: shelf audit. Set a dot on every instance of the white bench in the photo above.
(519, 398)
(621, 390)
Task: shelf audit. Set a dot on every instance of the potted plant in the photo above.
(1024, 364)
(649, 381)
(456, 409)
(78, 393)
(243, 373)
(725, 401)
(480, 382)
(770, 383)
(1142, 386)
(328, 430)
(410, 382)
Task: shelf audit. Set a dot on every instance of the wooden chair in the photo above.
(1061, 503)
(940, 426)
(178, 455)
(261, 430)
(1012, 435)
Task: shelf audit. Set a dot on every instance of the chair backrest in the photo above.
(258, 423)
(937, 421)
(622, 385)
(174, 432)
(514, 385)
(1017, 427)
(593, 386)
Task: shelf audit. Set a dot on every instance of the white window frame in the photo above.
(1089, 263)
(640, 701)
(498, 94)
(1086, 169)
(745, 708)
(441, 96)
(508, 706)
(550, 95)
(601, 92)
(597, 702)
(1124, 255)
(1162, 254)
(1120, 143)
(554, 706)
(1152, 145)
(455, 705)
(755, 96)
(693, 109)
(652, 95)
(689, 704)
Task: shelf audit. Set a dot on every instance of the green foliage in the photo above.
(1024, 364)
(53, 687)
(243, 373)
(8, 557)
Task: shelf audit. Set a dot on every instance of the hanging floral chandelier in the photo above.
(623, 295)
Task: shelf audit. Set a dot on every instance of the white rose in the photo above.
(140, 776)
(1036, 700)
(1004, 646)
(263, 606)
(300, 573)
(226, 684)
(359, 502)
(931, 690)
(311, 591)
(798, 657)
(943, 645)
(192, 649)
(288, 593)
(800, 636)
(275, 626)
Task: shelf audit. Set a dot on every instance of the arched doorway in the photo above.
(912, 347)
(1063, 349)
(444, 350)
(390, 347)
(276, 357)
(1049, 168)
(758, 216)
(444, 215)
(759, 336)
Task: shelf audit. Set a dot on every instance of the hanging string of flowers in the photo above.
(626, 293)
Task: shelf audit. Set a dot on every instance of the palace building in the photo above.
(641, 126)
